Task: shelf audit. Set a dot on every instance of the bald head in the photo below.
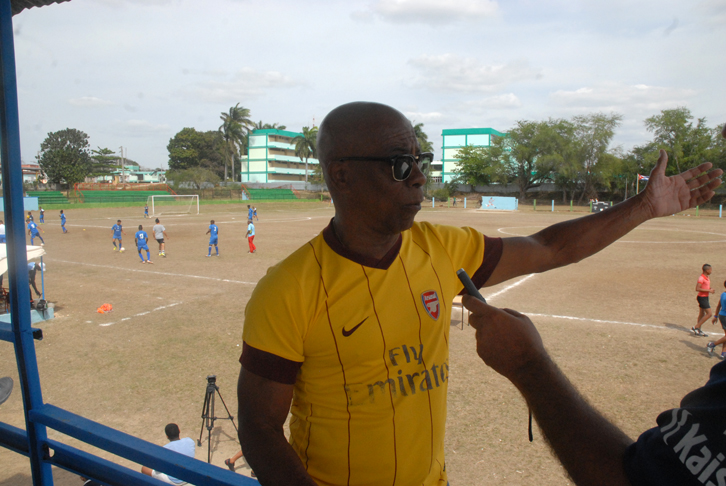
(357, 128)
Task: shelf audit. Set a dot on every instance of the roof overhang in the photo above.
(20, 5)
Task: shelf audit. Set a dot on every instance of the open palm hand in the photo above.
(669, 195)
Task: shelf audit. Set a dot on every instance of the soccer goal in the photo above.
(169, 204)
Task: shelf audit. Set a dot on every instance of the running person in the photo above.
(250, 212)
(42, 216)
(116, 232)
(251, 236)
(160, 234)
(146, 210)
(63, 221)
(703, 287)
(213, 232)
(254, 213)
(34, 233)
(721, 316)
(142, 239)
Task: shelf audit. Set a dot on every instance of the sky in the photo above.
(133, 73)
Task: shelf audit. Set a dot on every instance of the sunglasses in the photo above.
(401, 165)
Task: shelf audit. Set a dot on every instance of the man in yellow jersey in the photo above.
(350, 332)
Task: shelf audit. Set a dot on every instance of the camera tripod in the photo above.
(208, 416)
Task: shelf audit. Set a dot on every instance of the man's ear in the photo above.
(339, 176)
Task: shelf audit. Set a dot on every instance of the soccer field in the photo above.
(616, 323)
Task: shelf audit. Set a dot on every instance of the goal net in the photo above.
(169, 204)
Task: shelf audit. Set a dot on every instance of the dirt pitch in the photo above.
(617, 323)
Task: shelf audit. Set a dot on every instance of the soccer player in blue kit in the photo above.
(116, 232)
(141, 239)
(42, 216)
(146, 211)
(213, 239)
(250, 212)
(63, 222)
(33, 232)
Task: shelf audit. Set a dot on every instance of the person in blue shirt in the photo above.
(30, 217)
(116, 232)
(42, 216)
(63, 221)
(182, 446)
(34, 233)
(721, 316)
(142, 240)
(146, 211)
(250, 212)
(213, 231)
(254, 213)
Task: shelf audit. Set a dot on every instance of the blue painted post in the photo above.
(433, 202)
(12, 177)
(720, 208)
(553, 205)
(464, 203)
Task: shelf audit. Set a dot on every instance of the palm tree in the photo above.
(235, 125)
(306, 146)
(423, 139)
(265, 126)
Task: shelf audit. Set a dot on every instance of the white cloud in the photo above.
(506, 101)
(713, 10)
(140, 128)
(434, 12)
(90, 102)
(418, 117)
(449, 72)
(622, 97)
(245, 84)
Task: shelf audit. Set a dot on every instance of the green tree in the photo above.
(103, 161)
(423, 140)
(592, 136)
(196, 176)
(306, 146)
(482, 165)
(526, 154)
(671, 130)
(64, 156)
(191, 148)
(267, 126)
(235, 126)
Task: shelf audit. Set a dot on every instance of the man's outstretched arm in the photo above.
(589, 447)
(571, 241)
(263, 408)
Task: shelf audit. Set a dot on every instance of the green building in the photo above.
(271, 158)
(453, 140)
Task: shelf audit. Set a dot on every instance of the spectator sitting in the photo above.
(183, 446)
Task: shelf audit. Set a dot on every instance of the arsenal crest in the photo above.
(430, 301)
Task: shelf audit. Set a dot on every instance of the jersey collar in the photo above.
(334, 243)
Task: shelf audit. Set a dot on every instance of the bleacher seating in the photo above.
(49, 197)
(271, 194)
(119, 196)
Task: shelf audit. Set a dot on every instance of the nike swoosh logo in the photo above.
(348, 333)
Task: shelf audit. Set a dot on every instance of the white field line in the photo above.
(509, 287)
(156, 273)
(140, 314)
(503, 231)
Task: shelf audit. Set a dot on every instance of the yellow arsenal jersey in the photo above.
(366, 345)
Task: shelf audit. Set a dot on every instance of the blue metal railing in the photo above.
(33, 442)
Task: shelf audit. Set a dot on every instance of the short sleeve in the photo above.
(470, 250)
(275, 326)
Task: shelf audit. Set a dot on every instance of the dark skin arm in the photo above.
(590, 447)
(571, 241)
(263, 408)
